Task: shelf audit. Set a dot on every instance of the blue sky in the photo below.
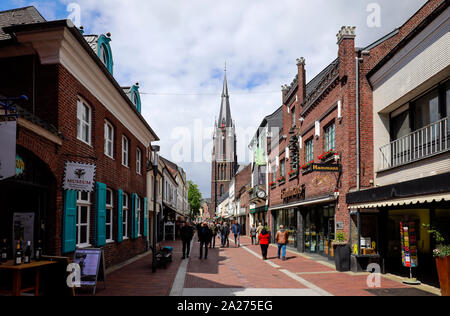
(176, 50)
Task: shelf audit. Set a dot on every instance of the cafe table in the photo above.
(36, 266)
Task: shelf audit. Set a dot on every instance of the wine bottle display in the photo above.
(27, 257)
(4, 252)
(38, 253)
(19, 253)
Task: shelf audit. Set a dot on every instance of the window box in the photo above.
(307, 168)
(272, 185)
(328, 156)
(281, 180)
(293, 175)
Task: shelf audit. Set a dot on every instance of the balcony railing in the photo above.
(425, 142)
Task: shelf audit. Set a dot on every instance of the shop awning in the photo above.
(403, 201)
(322, 200)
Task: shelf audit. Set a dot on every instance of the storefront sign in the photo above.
(79, 177)
(290, 192)
(8, 149)
(408, 236)
(320, 167)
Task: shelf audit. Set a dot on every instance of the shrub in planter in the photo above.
(442, 257)
(341, 253)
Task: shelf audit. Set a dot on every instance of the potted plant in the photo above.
(281, 180)
(341, 252)
(442, 257)
(328, 154)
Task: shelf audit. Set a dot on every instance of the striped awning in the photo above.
(403, 201)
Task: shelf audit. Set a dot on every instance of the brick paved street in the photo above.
(241, 272)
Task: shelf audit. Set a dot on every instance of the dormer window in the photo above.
(104, 51)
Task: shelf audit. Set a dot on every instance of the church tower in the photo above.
(224, 156)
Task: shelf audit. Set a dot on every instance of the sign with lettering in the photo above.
(79, 177)
(320, 167)
(294, 192)
(8, 130)
(92, 267)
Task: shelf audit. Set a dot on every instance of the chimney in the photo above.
(301, 80)
(346, 52)
(284, 91)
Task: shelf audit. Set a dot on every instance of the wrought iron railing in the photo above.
(425, 142)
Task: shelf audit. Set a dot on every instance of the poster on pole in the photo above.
(79, 177)
(8, 130)
(408, 236)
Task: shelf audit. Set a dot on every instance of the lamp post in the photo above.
(155, 160)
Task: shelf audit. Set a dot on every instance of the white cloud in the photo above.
(180, 46)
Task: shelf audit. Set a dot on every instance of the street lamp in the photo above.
(155, 160)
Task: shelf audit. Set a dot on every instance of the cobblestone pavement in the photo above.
(240, 271)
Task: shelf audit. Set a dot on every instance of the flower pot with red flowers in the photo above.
(272, 184)
(307, 167)
(328, 156)
(281, 180)
(442, 257)
(293, 174)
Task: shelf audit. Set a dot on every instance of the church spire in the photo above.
(225, 111)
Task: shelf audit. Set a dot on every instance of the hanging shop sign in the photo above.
(320, 167)
(79, 177)
(408, 236)
(20, 166)
(8, 130)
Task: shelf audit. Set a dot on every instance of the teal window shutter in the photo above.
(69, 237)
(120, 216)
(134, 232)
(145, 217)
(100, 215)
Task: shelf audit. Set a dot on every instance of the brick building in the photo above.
(327, 147)
(242, 184)
(76, 112)
(411, 166)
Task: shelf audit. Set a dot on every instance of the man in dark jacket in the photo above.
(186, 233)
(236, 229)
(204, 235)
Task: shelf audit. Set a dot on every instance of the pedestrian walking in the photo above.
(213, 228)
(186, 234)
(236, 229)
(204, 237)
(264, 240)
(226, 233)
(259, 230)
(281, 238)
(253, 234)
(199, 226)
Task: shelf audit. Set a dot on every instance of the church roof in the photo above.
(225, 110)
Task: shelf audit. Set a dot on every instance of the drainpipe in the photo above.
(358, 169)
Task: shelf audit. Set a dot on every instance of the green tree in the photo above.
(194, 199)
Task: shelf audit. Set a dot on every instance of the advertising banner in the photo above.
(79, 177)
(8, 131)
(408, 236)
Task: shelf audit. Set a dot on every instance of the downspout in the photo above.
(358, 158)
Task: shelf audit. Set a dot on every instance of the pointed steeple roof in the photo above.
(225, 111)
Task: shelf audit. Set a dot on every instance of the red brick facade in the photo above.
(56, 95)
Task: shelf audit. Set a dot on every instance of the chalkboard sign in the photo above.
(92, 267)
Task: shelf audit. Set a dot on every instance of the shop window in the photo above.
(330, 137)
(126, 208)
(309, 148)
(138, 216)
(138, 161)
(84, 122)
(109, 215)
(125, 151)
(83, 219)
(109, 140)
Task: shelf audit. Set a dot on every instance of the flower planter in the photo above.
(443, 269)
(342, 257)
